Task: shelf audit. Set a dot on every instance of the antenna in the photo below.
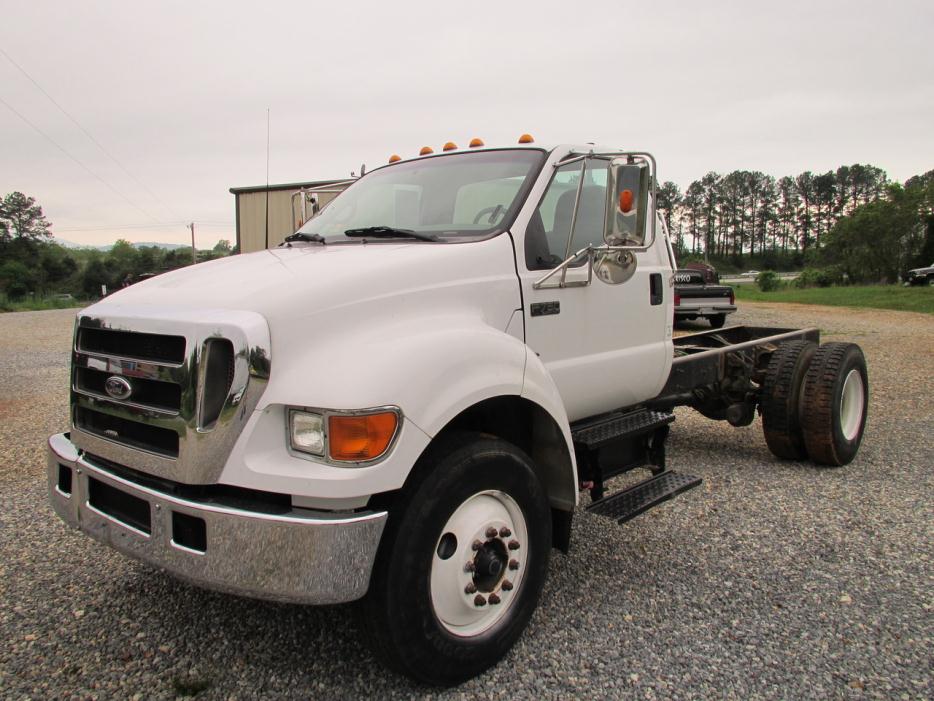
(267, 177)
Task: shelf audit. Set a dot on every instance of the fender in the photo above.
(539, 388)
(431, 367)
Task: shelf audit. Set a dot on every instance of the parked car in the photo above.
(750, 273)
(696, 299)
(921, 276)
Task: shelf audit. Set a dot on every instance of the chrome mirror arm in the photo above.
(540, 284)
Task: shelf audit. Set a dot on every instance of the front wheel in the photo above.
(462, 562)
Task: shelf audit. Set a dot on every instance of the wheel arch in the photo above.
(530, 427)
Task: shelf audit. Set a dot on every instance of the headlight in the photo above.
(306, 431)
(355, 437)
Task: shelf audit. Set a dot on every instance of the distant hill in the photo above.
(107, 247)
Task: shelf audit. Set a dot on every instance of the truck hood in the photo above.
(288, 284)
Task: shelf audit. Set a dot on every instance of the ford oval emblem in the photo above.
(118, 387)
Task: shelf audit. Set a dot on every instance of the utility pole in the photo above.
(194, 254)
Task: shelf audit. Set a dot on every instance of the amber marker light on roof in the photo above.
(450, 146)
(526, 139)
(394, 157)
(476, 142)
(426, 150)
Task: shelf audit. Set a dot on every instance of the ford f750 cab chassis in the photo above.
(401, 404)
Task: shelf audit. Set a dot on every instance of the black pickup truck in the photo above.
(695, 299)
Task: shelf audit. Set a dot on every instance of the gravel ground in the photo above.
(772, 580)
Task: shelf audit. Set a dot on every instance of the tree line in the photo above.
(31, 263)
(847, 218)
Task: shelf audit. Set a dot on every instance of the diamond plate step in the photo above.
(616, 426)
(641, 497)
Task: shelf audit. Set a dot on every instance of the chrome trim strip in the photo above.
(134, 405)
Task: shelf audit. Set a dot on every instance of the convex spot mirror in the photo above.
(627, 202)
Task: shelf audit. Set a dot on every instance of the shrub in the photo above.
(820, 277)
(768, 281)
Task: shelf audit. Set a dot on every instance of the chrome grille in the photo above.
(167, 396)
(156, 348)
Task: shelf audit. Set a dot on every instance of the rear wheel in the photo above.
(462, 562)
(780, 399)
(717, 320)
(835, 403)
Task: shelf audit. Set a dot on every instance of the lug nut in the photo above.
(513, 564)
(471, 588)
(494, 599)
(469, 567)
(506, 585)
(504, 532)
(491, 532)
(479, 600)
(513, 544)
(476, 545)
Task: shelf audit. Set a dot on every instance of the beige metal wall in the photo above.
(251, 213)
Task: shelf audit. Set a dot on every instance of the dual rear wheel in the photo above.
(814, 402)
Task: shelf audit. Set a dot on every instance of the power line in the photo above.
(88, 134)
(124, 227)
(76, 160)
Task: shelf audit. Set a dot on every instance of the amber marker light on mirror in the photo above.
(476, 142)
(450, 146)
(361, 438)
(526, 139)
(426, 150)
(625, 201)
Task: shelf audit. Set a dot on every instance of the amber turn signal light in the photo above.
(361, 438)
(625, 201)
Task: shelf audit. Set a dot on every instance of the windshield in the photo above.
(455, 196)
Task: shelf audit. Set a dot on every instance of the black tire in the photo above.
(398, 613)
(780, 399)
(717, 321)
(833, 420)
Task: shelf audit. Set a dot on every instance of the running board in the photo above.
(600, 432)
(641, 497)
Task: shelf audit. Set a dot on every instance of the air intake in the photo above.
(218, 359)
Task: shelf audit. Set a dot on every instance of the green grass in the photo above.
(35, 304)
(905, 299)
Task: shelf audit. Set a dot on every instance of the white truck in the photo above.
(402, 404)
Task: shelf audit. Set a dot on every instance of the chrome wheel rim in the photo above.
(852, 402)
(478, 563)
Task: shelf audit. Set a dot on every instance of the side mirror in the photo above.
(627, 202)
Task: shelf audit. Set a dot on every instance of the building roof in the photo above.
(284, 186)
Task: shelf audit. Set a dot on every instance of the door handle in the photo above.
(656, 291)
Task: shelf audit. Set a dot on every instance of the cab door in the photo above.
(606, 346)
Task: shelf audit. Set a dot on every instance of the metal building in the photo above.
(285, 210)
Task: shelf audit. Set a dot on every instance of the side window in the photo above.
(549, 230)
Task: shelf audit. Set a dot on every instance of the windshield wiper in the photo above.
(389, 232)
(302, 236)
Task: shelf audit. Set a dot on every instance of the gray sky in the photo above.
(177, 92)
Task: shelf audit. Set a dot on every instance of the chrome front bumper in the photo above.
(300, 556)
